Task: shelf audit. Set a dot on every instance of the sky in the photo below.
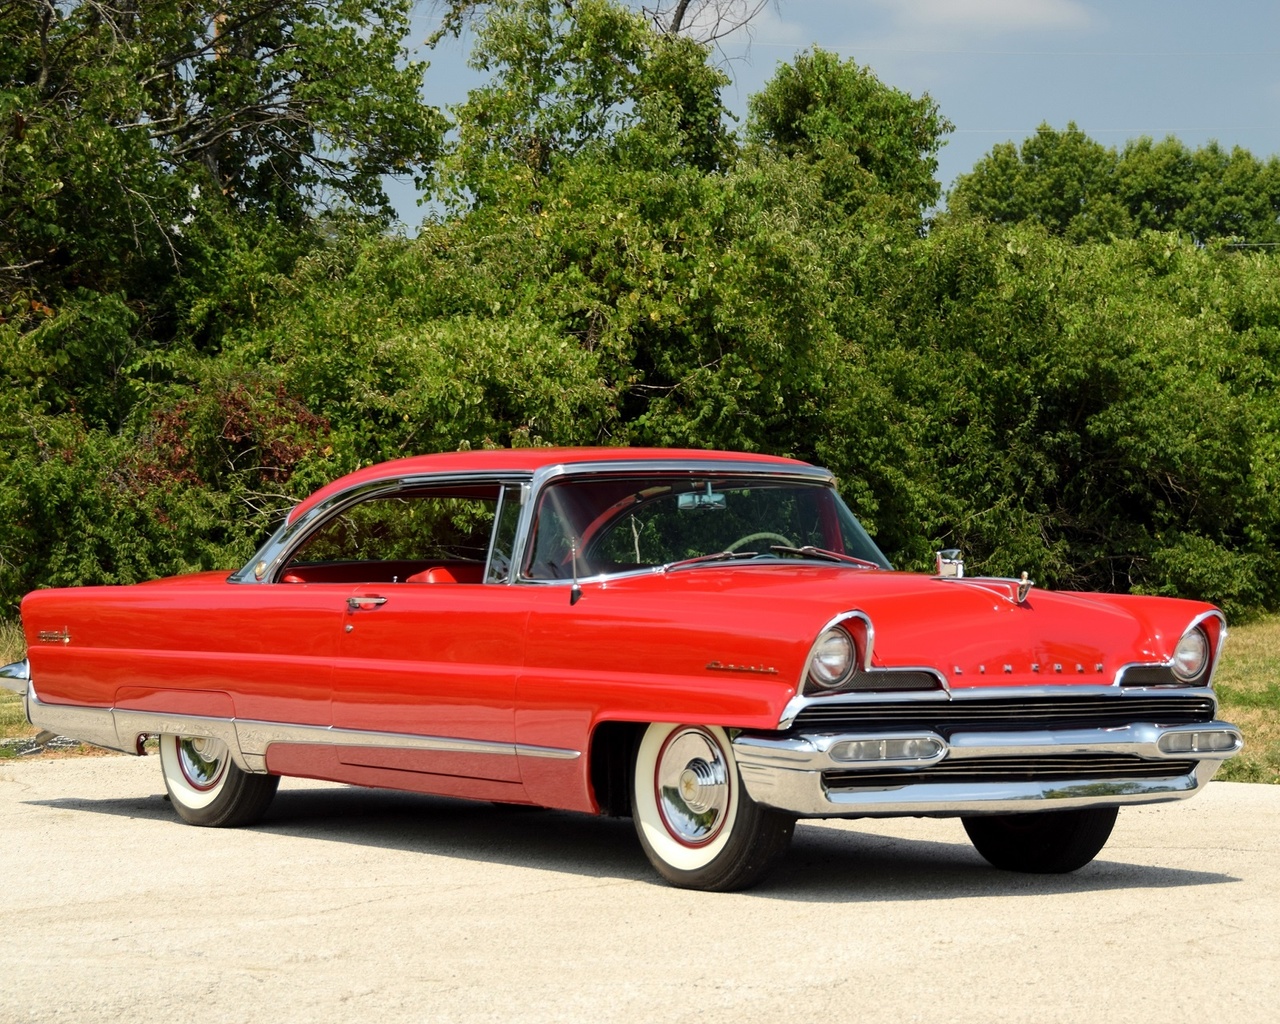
(1120, 69)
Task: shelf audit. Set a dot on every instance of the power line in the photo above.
(1180, 54)
(1113, 131)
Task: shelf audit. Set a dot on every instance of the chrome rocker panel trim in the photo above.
(124, 730)
(786, 774)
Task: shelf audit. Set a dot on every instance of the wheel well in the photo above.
(613, 756)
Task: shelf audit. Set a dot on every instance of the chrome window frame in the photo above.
(275, 553)
(277, 550)
(543, 477)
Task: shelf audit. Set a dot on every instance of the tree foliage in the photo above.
(1077, 188)
(120, 123)
(863, 134)
(1062, 373)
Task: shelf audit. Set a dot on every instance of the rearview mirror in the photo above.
(701, 499)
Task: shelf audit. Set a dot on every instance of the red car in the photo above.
(709, 642)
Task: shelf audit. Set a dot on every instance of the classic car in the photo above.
(708, 642)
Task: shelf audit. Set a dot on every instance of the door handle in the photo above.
(355, 604)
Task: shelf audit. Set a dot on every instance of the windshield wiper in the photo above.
(809, 551)
(718, 556)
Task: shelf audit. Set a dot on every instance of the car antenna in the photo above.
(575, 592)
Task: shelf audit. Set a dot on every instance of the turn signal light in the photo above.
(1207, 742)
(902, 748)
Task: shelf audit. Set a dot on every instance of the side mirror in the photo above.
(951, 563)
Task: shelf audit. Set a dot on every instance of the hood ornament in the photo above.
(951, 569)
(1024, 587)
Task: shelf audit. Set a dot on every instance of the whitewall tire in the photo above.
(207, 788)
(696, 822)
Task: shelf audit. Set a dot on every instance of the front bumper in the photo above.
(983, 772)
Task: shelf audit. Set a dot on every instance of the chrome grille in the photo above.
(1055, 767)
(1004, 714)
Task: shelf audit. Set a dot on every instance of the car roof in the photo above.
(522, 460)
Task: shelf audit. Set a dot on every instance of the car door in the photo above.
(431, 638)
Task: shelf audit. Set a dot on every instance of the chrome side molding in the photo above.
(125, 730)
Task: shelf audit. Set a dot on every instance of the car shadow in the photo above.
(833, 865)
(824, 864)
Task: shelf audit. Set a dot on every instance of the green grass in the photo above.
(1248, 685)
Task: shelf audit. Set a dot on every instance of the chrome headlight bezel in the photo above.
(833, 660)
(1192, 657)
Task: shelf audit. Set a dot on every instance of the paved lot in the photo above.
(367, 905)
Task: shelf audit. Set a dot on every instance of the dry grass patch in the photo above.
(1248, 685)
(13, 721)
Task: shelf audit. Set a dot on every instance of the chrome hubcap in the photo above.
(692, 783)
(203, 760)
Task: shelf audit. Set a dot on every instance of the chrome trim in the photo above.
(1008, 588)
(861, 697)
(1141, 739)
(691, 467)
(248, 740)
(18, 674)
(504, 496)
(275, 552)
(786, 772)
(545, 475)
(949, 564)
(803, 794)
(1223, 632)
(801, 699)
(266, 562)
(813, 753)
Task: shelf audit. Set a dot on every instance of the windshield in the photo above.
(627, 524)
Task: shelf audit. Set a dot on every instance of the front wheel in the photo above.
(205, 786)
(1049, 842)
(697, 824)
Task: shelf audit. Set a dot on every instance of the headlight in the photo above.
(1191, 656)
(833, 658)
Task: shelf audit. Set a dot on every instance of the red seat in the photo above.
(436, 574)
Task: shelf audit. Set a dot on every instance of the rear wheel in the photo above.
(697, 824)
(205, 786)
(1050, 842)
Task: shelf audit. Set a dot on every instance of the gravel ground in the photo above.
(359, 904)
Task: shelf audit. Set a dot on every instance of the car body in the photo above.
(707, 641)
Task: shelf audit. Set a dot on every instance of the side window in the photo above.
(504, 535)
(427, 537)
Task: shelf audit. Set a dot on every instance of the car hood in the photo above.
(973, 631)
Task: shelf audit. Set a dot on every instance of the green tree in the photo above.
(1062, 180)
(117, 122)
(864, 135)
(570, 78)
(1083, 191)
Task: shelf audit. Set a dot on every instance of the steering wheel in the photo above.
(762, 535)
